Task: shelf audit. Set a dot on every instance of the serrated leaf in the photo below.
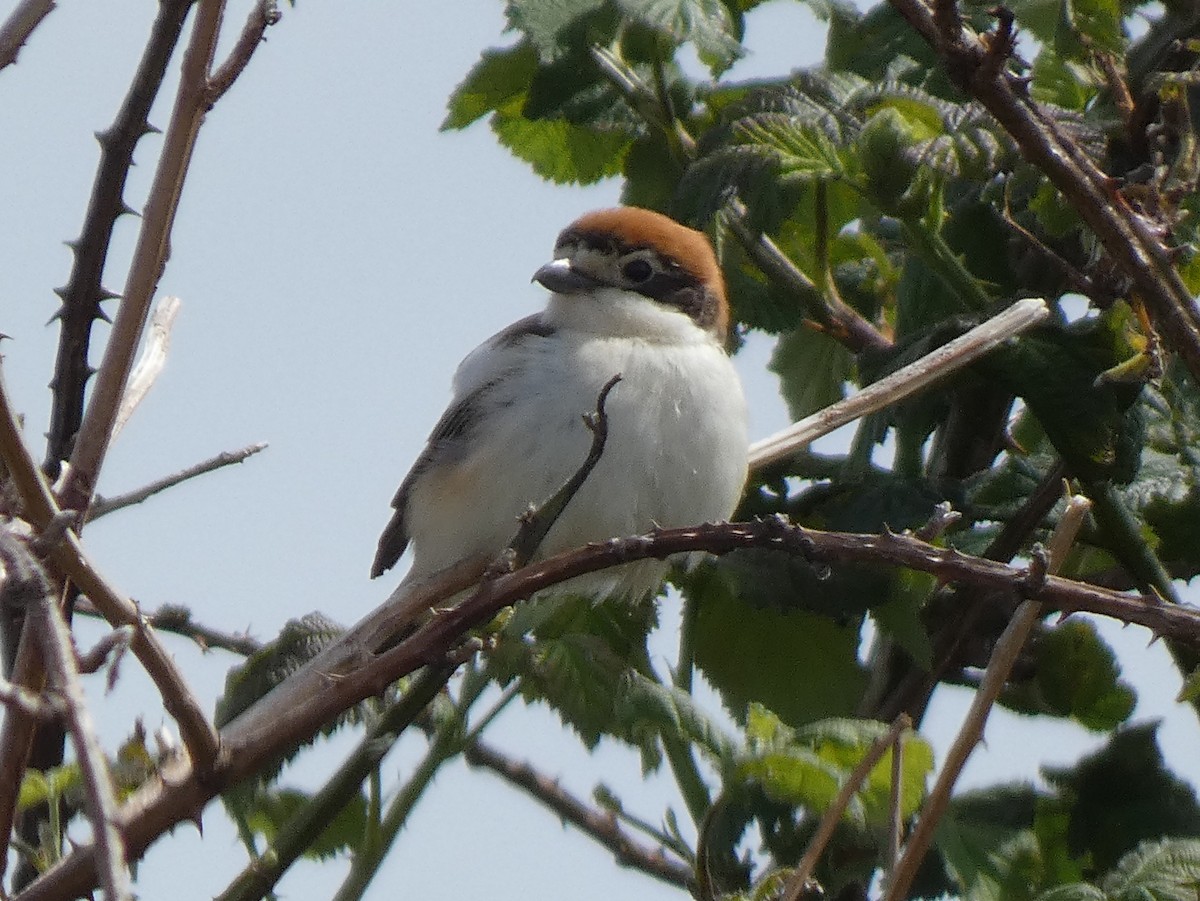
(706, 24)
(803, 151)
(496, 80)
(576, 661)
(560, 151)
(977, 824)
(1157, 871)
(272, 810)
(813, 369)
(650, 709)
(550, 24)
(807, 767)
(802, 666)
(1079, 676)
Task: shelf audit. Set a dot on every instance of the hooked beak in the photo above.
(559, 277)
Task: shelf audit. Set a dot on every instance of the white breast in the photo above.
(675, 456)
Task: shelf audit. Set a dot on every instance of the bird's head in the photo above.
(631, 254)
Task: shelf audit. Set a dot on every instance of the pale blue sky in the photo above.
(336, 257)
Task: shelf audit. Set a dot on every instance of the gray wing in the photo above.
(451, 433)
(449, 437)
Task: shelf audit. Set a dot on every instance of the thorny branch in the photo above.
(344, 675)
(26, 584)
(67, 558)
(978, 65)
(16, 29)
(1004, 656)
(106, 505)
(84, 292)
(601, 826)
(192, 103)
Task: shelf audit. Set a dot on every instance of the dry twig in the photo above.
(1004, 655)
(935, 365)
(105, 505)
(833, 813)
(16, 29)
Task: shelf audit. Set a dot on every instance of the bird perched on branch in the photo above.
(633, 293)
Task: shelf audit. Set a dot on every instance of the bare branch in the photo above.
(347, 671)
(1135, 243)
(68, 558)
(26, 703)
(16, 29)
(935, 365)
(59, 654)
(149, 257)
(833, 813)
(177, 620)
(265, 14)
(601, 826)
(84, 291)
(106, 505)
(1004, 655)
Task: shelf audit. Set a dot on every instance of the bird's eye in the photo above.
(637, 270)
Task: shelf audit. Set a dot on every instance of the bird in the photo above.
(635, 294)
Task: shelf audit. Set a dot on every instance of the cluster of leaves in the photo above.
(895, 195)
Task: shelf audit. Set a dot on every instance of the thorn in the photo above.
(99, 313)
(59, 314)
(62, 292)
(104, 137)
(126, 210)
(72, 243)
(150, 129)
(198, 822)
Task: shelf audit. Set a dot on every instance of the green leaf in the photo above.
(298, 642)
(802, 666)
(554, 26)
(976, 826)
(707, 24)
(1075, 891)
(1096, 428)
(649, 709)
(1157, 871)
(272, 810)
(803, 151)
(813, 369)
(807, 767)
(1089, 25)
(1078, 675)
(562, 152)
(576, 660)
(496, 80)
(1123, 795)
(1061, 82)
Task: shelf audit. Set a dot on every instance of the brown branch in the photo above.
(265, 14)
(602, 827)
(84, 292)
(348, 672)
(842, 321)
(1004, 656)
(101, 802)
(26, 703)
(67, 558)
(1133, 242)
(16, 29)
(177, 620)
(149, 258)
(833, 813)
(106, 505)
